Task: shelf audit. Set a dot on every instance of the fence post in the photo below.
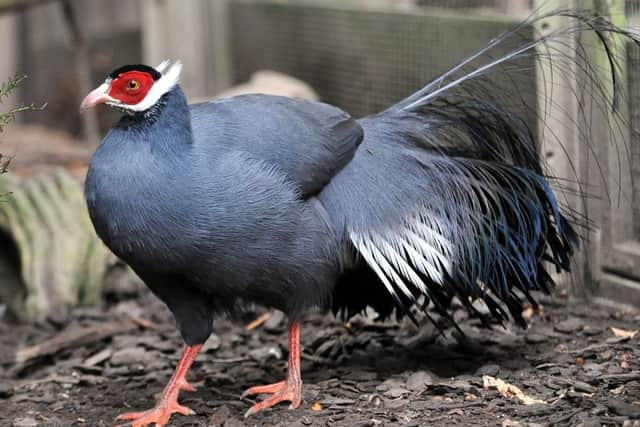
(194, 32)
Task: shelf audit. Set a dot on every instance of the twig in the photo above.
(259, 321)
(6, 89)
(75, 337)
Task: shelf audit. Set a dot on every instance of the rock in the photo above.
(272, 83)
(455, 386)
(129, 309)
(623, 408)
(536, 338)
(220, 416)
(616, 340)
(396, 392)
(491, 370)
(419, 380)
(327, 401)
(396, 403)
(591, 330)
(590, 422)
(387, 385)
(98, 358)
(584, 387)
(6, 390)
(274, 323)
(261, 354)
(569, 326)
(131, 356)
(25, 422)
(234, 422)
(211, 345)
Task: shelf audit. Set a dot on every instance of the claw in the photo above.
(187, 387)
(281, 392)
(263, 389)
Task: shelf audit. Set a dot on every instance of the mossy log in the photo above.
(60, 261)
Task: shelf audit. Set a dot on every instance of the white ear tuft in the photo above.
(161, 67)
(172, 73)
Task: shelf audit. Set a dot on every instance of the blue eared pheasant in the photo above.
(295, 204)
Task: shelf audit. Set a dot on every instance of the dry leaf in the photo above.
(531, 311)
(317, 407)
(509, 390)
(623, 333)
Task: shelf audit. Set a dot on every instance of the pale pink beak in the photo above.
(96, 96)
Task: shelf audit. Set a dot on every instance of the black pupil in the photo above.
(133, 84)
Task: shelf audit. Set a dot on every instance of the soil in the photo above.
(360, 373)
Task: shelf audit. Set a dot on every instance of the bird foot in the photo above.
(159, 416)
(168, 403)
(283, 391)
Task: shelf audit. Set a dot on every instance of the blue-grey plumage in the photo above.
(294, 204)
(194, 210)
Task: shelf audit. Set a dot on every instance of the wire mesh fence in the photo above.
(633, 80)
(360, 59)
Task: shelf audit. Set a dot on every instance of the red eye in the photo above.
(131, 87)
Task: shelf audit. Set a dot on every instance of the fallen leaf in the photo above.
(317, 407)
(623, 333)
(579, 360)
(531, 311)
(511, 423)
(509, 390)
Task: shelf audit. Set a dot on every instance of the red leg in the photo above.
(289, 390)
(168, 403)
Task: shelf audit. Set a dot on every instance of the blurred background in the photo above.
(361, 55)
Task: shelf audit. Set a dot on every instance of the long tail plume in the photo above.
(473, 213)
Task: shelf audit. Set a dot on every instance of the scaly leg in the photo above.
(168, 403)
(289, 390)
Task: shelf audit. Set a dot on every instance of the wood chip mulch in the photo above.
(571, 365)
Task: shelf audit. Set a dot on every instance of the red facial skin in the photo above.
(131, 87)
